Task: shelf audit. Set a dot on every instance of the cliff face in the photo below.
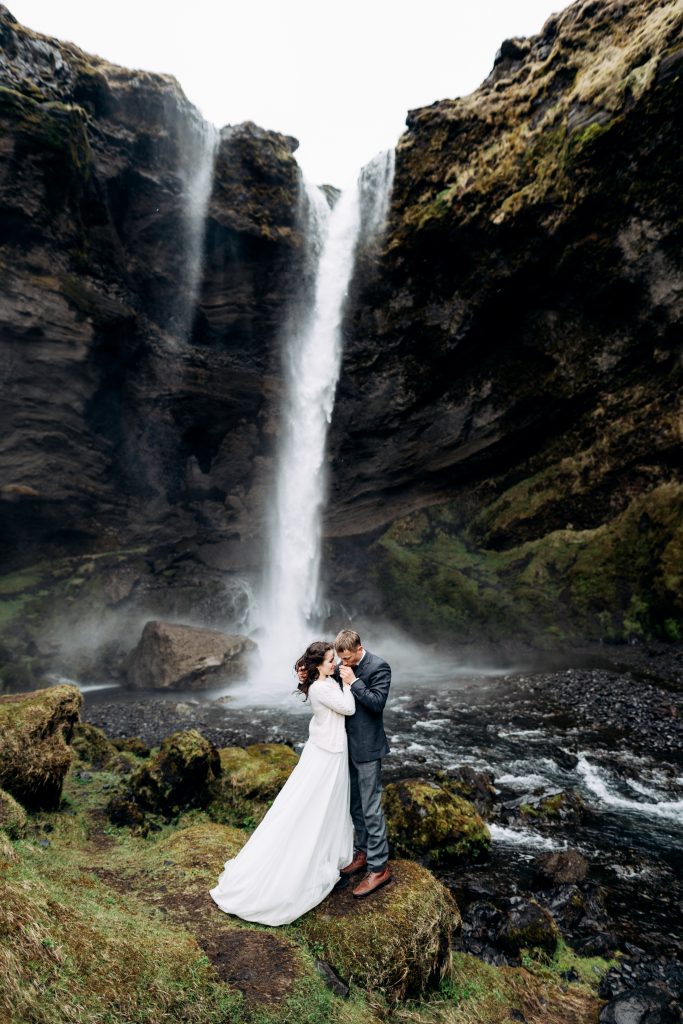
(131, 415)
(510, 396)
(505, 449)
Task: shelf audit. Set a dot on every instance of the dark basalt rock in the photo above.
(508, 452)
(566, 867)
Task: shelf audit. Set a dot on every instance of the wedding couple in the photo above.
(306, 840)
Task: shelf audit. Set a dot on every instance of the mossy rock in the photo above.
(35, 732)
(178, 776)
(207, 845)
(12, 816)
(91, 745)
(564, 806)
(396, 941)
(529, 926)
(251, 777)
(425, 819)
(132, 745)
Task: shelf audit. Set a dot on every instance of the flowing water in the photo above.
(518, 726)
(292, 603)
(197, 142)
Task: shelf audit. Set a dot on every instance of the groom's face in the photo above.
(351, 658)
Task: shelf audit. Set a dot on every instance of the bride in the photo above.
(292, 861)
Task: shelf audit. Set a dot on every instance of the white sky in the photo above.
(338, 76)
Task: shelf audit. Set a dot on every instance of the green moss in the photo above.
(34, 752)
(474, 992)
(616, 581)
(251, 777)
(425, 819)
(178, 776)
(397, 942)
(12, 816)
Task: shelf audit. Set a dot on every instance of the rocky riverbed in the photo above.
(581, 762)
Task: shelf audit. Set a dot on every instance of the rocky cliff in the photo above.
(507, 433)
(505, 450)
(133, 404)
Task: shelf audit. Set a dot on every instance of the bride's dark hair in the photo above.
(311, 659)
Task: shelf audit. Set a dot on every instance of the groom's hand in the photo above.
(301, 672)
(347, 674)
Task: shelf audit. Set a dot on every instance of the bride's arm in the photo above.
(341, 701)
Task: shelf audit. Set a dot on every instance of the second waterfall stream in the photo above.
(292, 603)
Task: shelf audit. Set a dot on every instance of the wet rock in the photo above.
(477, 787)
(558, 807)
(425, 819)
(332, 979)
(646, 1005)
(178, 776)
(13, 820)
(416, 917)
(528, 926)
(171, 656)
(566, 867)
(35, 732)
(481, 924)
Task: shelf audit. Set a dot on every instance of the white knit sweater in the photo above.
(330, 706)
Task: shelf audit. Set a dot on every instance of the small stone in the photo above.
(332, 979)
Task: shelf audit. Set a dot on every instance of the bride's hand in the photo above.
(347, 676)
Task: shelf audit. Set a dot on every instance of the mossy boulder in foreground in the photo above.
(251, 777)
(91, 745)
(178, 776)
(396, 941)
(425, 819)
(35, 731)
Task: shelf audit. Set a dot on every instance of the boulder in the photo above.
(178, 776)
(91, 745)
(396, 942)
(133, 745)
(528, 926)
(564, 806)
(35, 731)
(425, 819)
(648, 1004)
(176, 657)
(477, 787)
(12, 816)
(563, 867)
(250, 779)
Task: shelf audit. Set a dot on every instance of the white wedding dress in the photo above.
(292, 861)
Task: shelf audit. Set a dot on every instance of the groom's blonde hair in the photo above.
(346, 640)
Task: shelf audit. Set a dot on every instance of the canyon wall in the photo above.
(505, 451)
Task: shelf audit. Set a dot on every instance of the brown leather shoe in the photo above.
(372, 881)
(360, 859)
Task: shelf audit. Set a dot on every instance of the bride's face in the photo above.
(327, 667)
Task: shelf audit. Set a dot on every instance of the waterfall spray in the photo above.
(291, 607)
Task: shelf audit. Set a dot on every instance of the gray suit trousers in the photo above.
(367, 813)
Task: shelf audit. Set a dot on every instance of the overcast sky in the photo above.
(338, 76)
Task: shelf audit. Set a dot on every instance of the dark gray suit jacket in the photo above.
(365, 729)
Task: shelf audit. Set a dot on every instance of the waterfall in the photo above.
(291, 606)
(198, 141)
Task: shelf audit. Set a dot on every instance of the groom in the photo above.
(370, 679)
